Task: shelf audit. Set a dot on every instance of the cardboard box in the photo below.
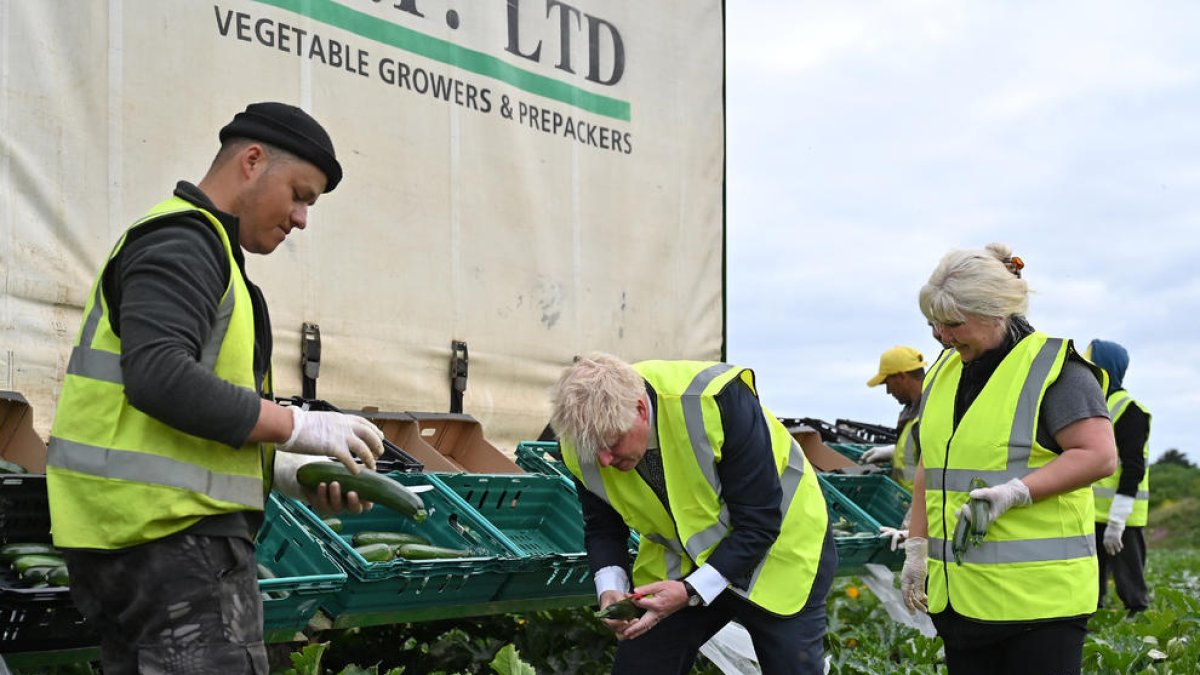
(403, 430)
(19, 443)
(459, 438)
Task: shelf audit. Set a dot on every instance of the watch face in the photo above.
(693, 600)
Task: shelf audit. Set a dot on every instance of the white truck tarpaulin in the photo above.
(533, 177)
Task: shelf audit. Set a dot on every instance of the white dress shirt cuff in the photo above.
(611, 578)
(708, 582)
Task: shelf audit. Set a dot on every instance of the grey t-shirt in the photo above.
(1074, 396)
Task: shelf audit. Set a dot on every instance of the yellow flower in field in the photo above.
(851, 642)
(852, 592)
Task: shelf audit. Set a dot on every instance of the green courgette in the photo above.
(427, 552)
(23, 563)
(622, 609)
(374, 553)
(10, 552)
(970, 533)
(333, 523)
(36, 575)
(265, 572)
(389, 538)
(369, 485)
(59, 576)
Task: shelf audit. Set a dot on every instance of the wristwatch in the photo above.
(693, 598)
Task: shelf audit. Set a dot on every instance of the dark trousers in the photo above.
(1128, 568)
(1027, 648)
(783, 644)
(184, 604)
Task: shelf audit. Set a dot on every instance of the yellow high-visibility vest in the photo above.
(691, 440)
(117, 477)
(1037, 561)
(1106, 488)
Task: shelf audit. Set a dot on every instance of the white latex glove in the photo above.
(877, 455)
(912, 575)
(1118, 512)
(897, 536)
(1001, 497)
(334, 434)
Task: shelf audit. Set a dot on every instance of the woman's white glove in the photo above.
(1118, 513)
(1000, 498)
(897, 536)
(334, 434)
(912, 575)
(878, 455)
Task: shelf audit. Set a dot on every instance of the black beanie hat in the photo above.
(290, 128)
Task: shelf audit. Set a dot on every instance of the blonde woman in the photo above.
(1023, 412)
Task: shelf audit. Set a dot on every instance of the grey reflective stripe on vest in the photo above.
(1117, 406)
(789, 482)
(706, 458)
(910, 447)
(95, 364)
(1109, 493)
(1021, 438)
(154, 470)
(672, 554)
(1023, 550)
(98, 364)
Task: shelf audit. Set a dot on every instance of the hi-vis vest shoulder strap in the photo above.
(1106, 488)
(117, 477)
(691, 439)
(1037, 561)
(904, 459)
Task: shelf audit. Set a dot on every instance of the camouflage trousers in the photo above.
(184, 604)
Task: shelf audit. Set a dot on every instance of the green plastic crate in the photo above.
(305, 573)
(406, 590)
(541, 517)
(535, 457)
(852, 451)
(853, 551)
(882, 498)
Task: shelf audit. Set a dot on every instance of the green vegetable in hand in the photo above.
(368, 484)
(622, 609)
(970, 533)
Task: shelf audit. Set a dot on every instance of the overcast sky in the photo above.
(866, 139)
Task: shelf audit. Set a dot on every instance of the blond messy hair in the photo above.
(594, 402)
(979, 282)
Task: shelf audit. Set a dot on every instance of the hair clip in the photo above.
(1015, 265)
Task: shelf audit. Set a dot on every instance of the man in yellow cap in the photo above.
(901, 371)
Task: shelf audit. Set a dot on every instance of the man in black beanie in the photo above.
(166, 437)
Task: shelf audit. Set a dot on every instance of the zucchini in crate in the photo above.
(427, 552)
(368, 484)
(390, 538)
(10, 552)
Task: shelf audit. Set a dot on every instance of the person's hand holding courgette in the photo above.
(325, 498)
(1000, 498)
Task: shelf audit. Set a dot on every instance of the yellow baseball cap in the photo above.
(896, 360)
